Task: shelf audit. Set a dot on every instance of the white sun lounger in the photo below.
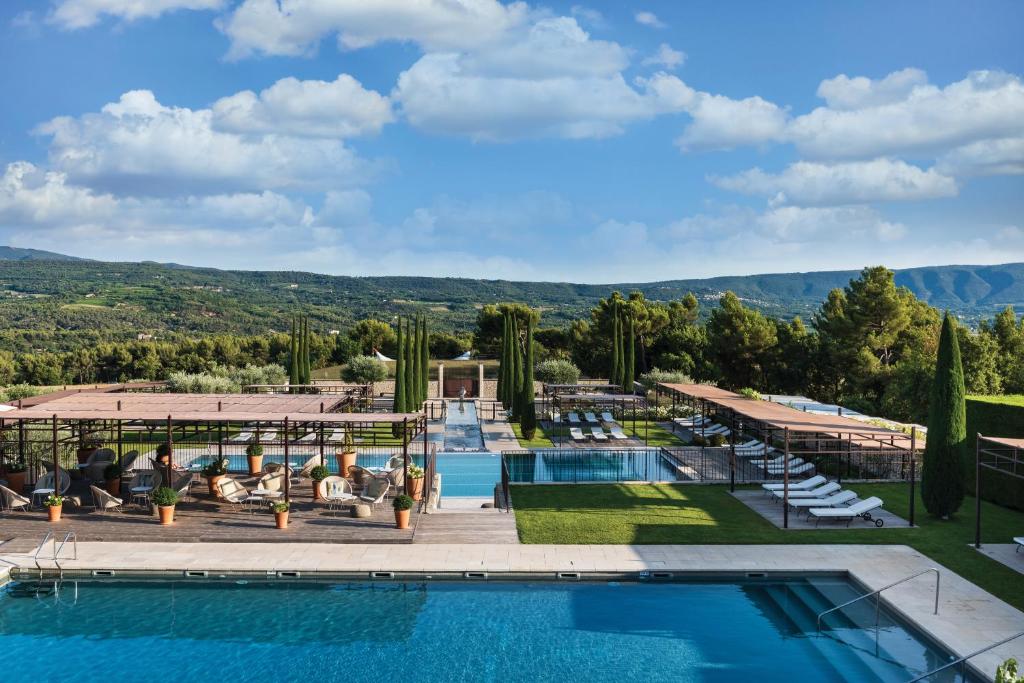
(617, 433)
(835, 500)
(819, 492)
(862, 509)
(780, 468)
(590, 417)
(794, 468)
(337, 436)
(751, 452)
(711, 430)
(804, 485)
(242, 437)
(607, 417)
(577, 434)
(690, 421)
(774, 462)
(599, 434)
(306, 438)
(750, 445)
(574, 419)
(268, 436)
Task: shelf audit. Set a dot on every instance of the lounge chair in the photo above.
(395, 462)
(183, 487)
(617, 433)
(590, 417)
(835, 500)
(244, 436)
(44, 485)
(752, 444)
(711, 430)
(308, 437)
(268, 436)
(233, 492)
(688, 422)
(779, 467)
(128, 464)
(11, 501)
(143, 484)
(336, 492)
(337, 436)
(607, 417)
(574, 419)
(751, 452)
(774, 462)
(804, 485)
(862, 509)
(577, 434)
(375, 491)
(305, 470)
(817, 492)
(97, 462)
(273, 481)
(598, 434)
(359, 476)
(103, 501)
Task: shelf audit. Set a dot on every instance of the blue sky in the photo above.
(592, 142)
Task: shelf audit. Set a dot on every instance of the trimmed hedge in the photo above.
(995, 416)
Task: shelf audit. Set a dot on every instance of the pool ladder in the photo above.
(877, 595)
(962, 661)
(57, 549)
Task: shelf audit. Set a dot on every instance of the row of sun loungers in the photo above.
(823, 499)
(598, 434)
(574, 418)
(269, 436)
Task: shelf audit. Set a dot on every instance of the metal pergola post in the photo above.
(785, 481)
(170, 453)
(287, 475)
(913, 471)
(405, 453)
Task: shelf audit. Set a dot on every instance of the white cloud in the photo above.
(914, 118)
(809, 183)
(295, 27)
(649, 19)
(77, 14)
(1000, 156)
(843, 92)
(723, 123)
(139, 146)
(666, 57)
(589, 16)
(340, 109)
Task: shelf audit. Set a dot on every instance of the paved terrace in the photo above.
(968, 619)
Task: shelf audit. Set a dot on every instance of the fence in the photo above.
(579, 465)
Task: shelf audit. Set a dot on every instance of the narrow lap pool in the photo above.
(758, 630)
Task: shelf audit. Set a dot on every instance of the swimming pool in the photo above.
(590, 465)
(712, 630)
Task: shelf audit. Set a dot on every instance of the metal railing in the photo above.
(589, 465)
(877, 595)
(962, 661)
(506, 492)
(57, 549)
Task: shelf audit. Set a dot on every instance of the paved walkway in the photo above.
(772, 510)
(1005, 553)
(465, 521)
(498, 436)
(968, 619)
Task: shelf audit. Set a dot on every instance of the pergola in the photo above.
(809, 433)
(996, 454)
(71, 419)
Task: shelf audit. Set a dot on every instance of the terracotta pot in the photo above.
(255, 464)
(212, 482)
(15, 481)
(54, 512)
(281, 518)
(84, 453)
(402, 519)
(166, 515)
(345, 460)
(316, 491)
(114, 487)
(416, 488)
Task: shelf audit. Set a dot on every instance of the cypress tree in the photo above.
(506, 368)
(516, 380)
(527, 411)
(400, 403)
(416, 361)
(616, 374)
(630, 366)
(425, 362)
(293, 360)
(411, 404)
(304, 359)
(942, 481)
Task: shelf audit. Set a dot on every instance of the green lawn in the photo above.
(692, 514)
(539, 440)
(1009, 399)
(656, 436)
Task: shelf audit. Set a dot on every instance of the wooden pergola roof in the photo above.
(200, 408)
(701, 391)
(1005, 441)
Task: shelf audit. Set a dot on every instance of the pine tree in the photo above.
(400, 402)
(527, 411)
(416, 361)
(293, 360)
(942, 481)
(425, 362)
(630, 365)
(411, 404)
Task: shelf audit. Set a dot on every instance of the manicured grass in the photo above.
(539, 440)
(698, 514)
(1009, 399)
(656, 435)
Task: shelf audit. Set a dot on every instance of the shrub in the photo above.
(652, 378)
(281, 506)
(216, 468)
(53, 500)
(258, 374)
(557, 371)
(942, 478)
(403, 502)
(364, 370)
(19, 391)
(699, 440)
(1007, 672)
(165, 497)
(716, 440)
(319, 473)
(750, 393)
(254, 449)
(416, 472)
(200, 383)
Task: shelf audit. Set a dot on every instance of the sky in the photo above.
(565, 141)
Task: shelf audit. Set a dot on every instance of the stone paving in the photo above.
(1009, 554)
(968, 619)
(771, 509)
(498, 436)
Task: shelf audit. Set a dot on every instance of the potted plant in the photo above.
(214, 472)
(318, 474)
(14, 473)
(54, 504)
(346, 454)
(415, 476)
(86, 447)
(112, 477)
(254, 452)
(403, 508)
(281, 513)
(165, 498)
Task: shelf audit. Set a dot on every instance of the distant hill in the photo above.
(49, 301)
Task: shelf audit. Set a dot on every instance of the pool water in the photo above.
(468, 474)
(589, 465)
(438, 631)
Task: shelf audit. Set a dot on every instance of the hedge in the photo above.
(995, 416)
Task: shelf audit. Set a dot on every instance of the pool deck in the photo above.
(771, 509)
(1005, 553)
(969, 618)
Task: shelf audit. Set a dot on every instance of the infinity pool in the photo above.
(758, 630)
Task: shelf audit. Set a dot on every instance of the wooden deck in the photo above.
(202, 519)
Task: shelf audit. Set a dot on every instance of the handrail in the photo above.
(35, 555)
(877, 592)
(964, 659)
(71, 535)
